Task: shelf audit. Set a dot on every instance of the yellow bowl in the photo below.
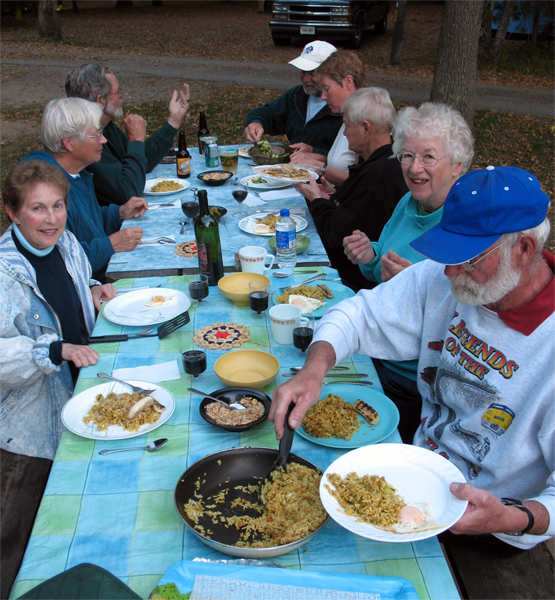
(247, 368)
(235, 286)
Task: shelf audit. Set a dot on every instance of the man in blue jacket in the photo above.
(127, 155)
(300, 113)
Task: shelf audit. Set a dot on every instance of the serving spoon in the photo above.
(152, 447)
(231, 406)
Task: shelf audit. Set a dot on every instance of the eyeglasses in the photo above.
(96, 135)
(118, 93)
(426, 160)
(469, 265)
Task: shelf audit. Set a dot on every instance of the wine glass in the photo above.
(239, 195)
(303, 334)
(258, 295)
(198, 288)
(190, 210)
(194, 362)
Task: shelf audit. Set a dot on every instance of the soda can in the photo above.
(212, 155)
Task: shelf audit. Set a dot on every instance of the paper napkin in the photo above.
(167, 371)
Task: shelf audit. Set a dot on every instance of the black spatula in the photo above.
(164, 330)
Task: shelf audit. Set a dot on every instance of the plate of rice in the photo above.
(404, 476)
(339, 291)
(164, 186)
(100, 413)
(333, 422)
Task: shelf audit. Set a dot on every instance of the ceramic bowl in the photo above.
(303, 243)
(205, 177)
(235, 286)
(262, 159)
(247, 368)
(234, 394)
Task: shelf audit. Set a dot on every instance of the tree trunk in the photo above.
(398, 30)
(457, 57)
(502, 28)
(486, 41)
(535, 28)
(49, 20)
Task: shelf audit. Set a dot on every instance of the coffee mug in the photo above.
(253, 259)
(283, 319)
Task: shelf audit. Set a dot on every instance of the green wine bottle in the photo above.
(209, 247)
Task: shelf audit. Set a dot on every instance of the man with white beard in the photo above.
(479, 317)
(127, 156)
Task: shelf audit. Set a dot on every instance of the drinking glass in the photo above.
(303, 334)
(198, 288)
(194, 362)
(190, 210)
(258, 295)
(239, 195)
(229, 159)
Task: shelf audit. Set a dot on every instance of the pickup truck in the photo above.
(329, 20)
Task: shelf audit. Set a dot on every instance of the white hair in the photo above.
(67, 117)
(370, 104)
(540, 232)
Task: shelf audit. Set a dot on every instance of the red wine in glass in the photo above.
(302, 336)
(190, 210)
(239, 195)
(198, 288)
(194, 362)
(258, 301)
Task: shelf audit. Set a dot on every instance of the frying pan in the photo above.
(230, 468)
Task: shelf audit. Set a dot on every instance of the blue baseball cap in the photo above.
(480, 207)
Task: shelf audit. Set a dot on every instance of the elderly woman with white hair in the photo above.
(72, 137)
(434, 146)
(367, 198)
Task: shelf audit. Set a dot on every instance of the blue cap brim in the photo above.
(451, 248)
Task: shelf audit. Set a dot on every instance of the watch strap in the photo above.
(520, 506)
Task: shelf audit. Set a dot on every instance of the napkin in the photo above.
(252, 200)
(167, 371)
(280, 194)
(157, 240)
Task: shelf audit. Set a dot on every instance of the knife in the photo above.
(339, 368)
(341, 375)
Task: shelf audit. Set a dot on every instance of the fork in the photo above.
(136, 389)
(288, 287)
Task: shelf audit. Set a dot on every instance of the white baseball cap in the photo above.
(313, 55)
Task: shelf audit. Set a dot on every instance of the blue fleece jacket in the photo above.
(86, 219)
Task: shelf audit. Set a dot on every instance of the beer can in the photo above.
(212, 155)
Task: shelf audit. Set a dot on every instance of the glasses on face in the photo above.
(118, 93)
(96, 135)
(426, 160)
(469, 265)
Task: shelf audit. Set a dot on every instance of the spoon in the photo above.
(232, 406)
(152, 447)
(182, 223)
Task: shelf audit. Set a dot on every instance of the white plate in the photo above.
(271, 184)
(249, 222)
(130, 309)
(77, 407)
(152, 182)
(261, 170)
(244, 151)
(419, 475)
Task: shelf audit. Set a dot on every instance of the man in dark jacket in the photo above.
(127, 156)
(300, 113)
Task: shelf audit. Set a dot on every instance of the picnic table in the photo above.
(118, 511)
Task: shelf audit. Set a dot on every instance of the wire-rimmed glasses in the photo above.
(426, 160)
(469, 265)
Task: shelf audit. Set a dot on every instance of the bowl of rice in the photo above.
(257, 403)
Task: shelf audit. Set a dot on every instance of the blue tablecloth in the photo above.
(166, 221)
(118, 511)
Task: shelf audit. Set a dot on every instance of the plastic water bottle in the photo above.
(286, 240)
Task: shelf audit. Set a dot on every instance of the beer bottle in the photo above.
(209, 247)
(202, 130)
(183, 158)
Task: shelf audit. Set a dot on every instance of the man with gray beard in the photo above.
(479, 317)
(127, 156)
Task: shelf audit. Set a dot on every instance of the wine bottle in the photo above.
(202, 130)
(209, 247)
(183, 158)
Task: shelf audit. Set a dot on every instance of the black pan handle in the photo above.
(104, 339)
(286, 440)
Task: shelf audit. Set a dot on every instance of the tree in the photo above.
(398, 30)
(457, 57)
(49, 20)
(491, 47)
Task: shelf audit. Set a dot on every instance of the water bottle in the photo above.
(286, 240)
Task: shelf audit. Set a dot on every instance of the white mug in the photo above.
(253, 259)
(283, 319)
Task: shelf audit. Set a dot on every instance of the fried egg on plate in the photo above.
(413, 518)
(261, 228)
(158, 301)
(307, 305)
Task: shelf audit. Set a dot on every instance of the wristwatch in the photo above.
(323, 170)
(518, 504)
